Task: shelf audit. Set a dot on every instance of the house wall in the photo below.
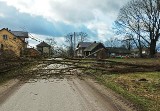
(87, 53)
(97, 48)
(12, 43)
(32, 53)
(102, 54)
(80, 52)
(25, 42)
(46, 50)
(40, 49)
(22, 38)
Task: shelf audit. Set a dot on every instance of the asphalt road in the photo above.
(62, 94)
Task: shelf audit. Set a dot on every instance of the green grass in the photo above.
(137, 61)
(144, 95)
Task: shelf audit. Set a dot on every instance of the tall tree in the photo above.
(142, 18)
(152, 22)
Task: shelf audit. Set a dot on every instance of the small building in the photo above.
(81, 47)
(23, 36)
(118, 51)
(96, 50)
(10, 44)
(32, 53)
(136, 52)
(44, 49)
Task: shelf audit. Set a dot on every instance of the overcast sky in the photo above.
(56, 18)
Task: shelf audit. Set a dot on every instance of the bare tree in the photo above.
(52, 43)
(128, 42)
(113, 42)
(72, 39)
(83, 36)
(129, 24)
(141, 18)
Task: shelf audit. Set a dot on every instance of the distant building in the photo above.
(23, 36)
(81, 47)
(44, 49)
(96, 50)
(118, 51)
(10, 44)
(31, 53)
(145, 52)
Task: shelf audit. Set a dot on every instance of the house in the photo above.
(96, 50)
(44, 49)
(136, 53)
(118, 51)
(10, 44)
(31, 53)
(23, 36)
(80, 48)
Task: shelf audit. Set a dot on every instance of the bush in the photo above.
(8, 55)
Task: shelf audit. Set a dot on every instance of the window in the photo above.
(5, 37)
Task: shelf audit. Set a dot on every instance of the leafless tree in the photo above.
(113, 42)
(83, 36)
(52, 43)
(128, 42)
(72, 39)
(141, 18)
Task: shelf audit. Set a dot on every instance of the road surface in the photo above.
(67, 93)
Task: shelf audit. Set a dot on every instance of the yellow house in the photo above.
(10, 42)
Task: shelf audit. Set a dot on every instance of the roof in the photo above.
(11, 33)
(84, 44)
(20, 34)
(92, 46)
(43, 44)
(27, 49)
(118, 50)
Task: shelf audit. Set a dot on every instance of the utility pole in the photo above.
(71, 47)
(74, 43)
(71, 41)
(74, 40)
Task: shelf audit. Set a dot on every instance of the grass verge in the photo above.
(145, 95)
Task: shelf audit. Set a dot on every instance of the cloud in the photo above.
(59, 17)
(70, 11)
(35, 24)
(2, 15)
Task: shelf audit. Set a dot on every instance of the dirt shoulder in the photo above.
(8, 88)
(113, 99)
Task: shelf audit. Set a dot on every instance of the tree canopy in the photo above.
(141, 18)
